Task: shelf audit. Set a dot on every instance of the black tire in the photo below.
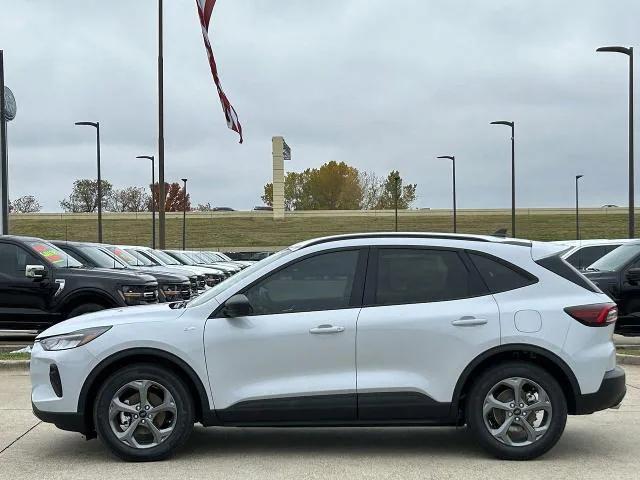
(85, 308)
(182, 422)
(481, 388)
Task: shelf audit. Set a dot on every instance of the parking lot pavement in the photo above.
(603, 445)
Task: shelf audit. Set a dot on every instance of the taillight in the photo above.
(596, 315)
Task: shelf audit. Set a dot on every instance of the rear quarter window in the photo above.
(499, 275)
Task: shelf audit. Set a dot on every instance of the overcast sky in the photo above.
(378, 84)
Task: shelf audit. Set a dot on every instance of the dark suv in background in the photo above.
(618, 275)
(172, 285)
(41, 285)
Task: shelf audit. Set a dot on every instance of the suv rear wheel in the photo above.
(143, 413)
(516, 410)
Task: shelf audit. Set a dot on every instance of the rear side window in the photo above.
(558, 266)
(499, 275)
(406, 275)
(584, 257)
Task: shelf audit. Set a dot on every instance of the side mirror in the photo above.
(633, 276)
(237, 306)
(37, 272)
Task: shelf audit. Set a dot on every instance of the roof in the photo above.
(593, 242)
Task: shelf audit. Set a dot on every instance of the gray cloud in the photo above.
(377, 84)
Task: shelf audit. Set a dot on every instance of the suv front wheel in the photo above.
(516, 410)
(143, 413)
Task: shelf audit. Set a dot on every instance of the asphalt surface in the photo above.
(603, 445)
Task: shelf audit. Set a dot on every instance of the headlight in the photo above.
(73, 339)
(170, 293)
(139, 294)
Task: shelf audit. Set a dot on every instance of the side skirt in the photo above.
(350, 410)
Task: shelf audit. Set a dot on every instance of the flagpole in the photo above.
(161, 192)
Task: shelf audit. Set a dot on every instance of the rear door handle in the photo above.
(469, 322)
(323, 329)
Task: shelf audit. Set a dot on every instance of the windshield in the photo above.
(162, 257)
(181, 257)
(54, 255)
(224, 256)
(142, 259)
(126, 257)
(231, 281)
(101, 258)
(616, 259)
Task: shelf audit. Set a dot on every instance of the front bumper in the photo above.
(72, 422)
(611, 392)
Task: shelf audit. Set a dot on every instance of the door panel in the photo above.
(429, 316)
(293, 359)
(261, 367)
(24, 302)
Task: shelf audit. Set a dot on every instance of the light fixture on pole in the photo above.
(629, 52)
(153, 198)
(96, 125)
(578, 177)
(453, 160)
(184, 215)
(513, 173)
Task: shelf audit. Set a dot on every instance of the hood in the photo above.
(106, 273)
(164, 276)
(116, 316)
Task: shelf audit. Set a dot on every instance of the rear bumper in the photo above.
(611, 392)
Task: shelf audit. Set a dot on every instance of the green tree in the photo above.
(84, 196)
(392, 186)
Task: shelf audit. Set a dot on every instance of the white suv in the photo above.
(372, 329)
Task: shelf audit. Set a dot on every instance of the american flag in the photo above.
(205, 8)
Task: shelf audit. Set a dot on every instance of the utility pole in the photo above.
(161, 190)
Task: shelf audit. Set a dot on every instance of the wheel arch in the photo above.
(106, 367)
(531, 353)
(86, 296)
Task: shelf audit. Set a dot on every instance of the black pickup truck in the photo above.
(41, 285)
(618, 275)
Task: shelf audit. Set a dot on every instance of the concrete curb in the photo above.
(623, 359)
(14, 365)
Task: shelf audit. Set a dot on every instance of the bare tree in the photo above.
(129, 199)
(25, 204)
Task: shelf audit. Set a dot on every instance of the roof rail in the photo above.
(440, 236)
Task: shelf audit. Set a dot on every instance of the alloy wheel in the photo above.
(142, 414)
(517, 411)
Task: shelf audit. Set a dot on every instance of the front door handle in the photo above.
(322, 329)
(469, 322)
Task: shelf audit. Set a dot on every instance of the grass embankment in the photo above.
(203, 232)
(15, 356)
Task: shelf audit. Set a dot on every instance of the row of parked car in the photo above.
(43, 282)
(614, 266)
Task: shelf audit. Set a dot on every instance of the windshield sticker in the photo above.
(49, 253)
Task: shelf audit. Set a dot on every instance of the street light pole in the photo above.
(153, 200)
(578, 177)
(513, 173)
(453, 160)
(629, 53)
(184, 215)
(396, 179)
(96, 125)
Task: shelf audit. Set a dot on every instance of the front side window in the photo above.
(13, 261)
(320, 282)
(406, 275)
(616, 259)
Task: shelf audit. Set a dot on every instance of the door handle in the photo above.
(323, 329)
(469, 322)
